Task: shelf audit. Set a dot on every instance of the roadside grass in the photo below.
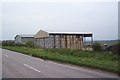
(99, 60)
(0, 45)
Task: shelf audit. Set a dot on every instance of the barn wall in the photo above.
(60, 41)
(72, 41)
(26, 39)
(18, 39)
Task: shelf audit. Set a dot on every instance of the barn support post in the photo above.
(84, 41)
(49, 42)
(70, 40)
(54, 41)
(91, 39)
(60, 40)
(65, 41)
(81, 42)
(78, 40)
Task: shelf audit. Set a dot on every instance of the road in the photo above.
(17, 65)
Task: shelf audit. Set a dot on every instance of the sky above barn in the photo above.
(29, 16)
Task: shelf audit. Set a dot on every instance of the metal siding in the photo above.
(24, 40)
(41, 34)
(18, 39)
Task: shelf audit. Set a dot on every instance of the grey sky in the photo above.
(100, 18)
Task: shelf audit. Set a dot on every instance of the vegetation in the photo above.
(30, 44)
(116, 49)
(96, 47)
(93, 59)
(8, 43)
(0, 45)
(27, 44)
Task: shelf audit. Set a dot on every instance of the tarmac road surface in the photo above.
(17, 65)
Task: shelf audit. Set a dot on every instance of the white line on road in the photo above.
(31, 67)
(6, 55)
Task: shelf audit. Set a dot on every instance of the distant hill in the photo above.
(108, 42)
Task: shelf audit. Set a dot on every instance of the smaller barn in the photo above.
(23, 38)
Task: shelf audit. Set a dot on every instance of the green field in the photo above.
(99, 60)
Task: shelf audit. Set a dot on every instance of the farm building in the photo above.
(61, 39)
(46, 39)
(22, 39)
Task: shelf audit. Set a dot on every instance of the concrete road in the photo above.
(17, 65)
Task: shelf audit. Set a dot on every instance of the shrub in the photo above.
(116, 48)
(8, 44)
(96, 47)
(18, 44)
(30, 44)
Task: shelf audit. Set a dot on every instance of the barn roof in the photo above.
(70, 32)
(84, 34)
(25, 35)
(42, 34)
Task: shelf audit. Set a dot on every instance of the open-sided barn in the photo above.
(61, 39)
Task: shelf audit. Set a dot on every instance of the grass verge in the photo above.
(98, 60)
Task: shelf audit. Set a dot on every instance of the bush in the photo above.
(8, 43)
(18, 44)
(97, 47)
(30, 44)
(116, 48)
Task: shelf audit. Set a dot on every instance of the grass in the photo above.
(0, 45)
(99, 60)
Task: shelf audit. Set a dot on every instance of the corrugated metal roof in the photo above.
(70, 32)
(26, 35)
(85, 34)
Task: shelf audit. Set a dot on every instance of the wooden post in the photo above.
(65, 41)
(60, 40)
(82, 41)
(51, 41)
(70, 40)
(74, 41)
(54, 42)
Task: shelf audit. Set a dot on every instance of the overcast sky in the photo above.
(100, 18)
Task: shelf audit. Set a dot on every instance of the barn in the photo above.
(23, 38)
(75, 40)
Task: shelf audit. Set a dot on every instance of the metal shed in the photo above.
(23, 38)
